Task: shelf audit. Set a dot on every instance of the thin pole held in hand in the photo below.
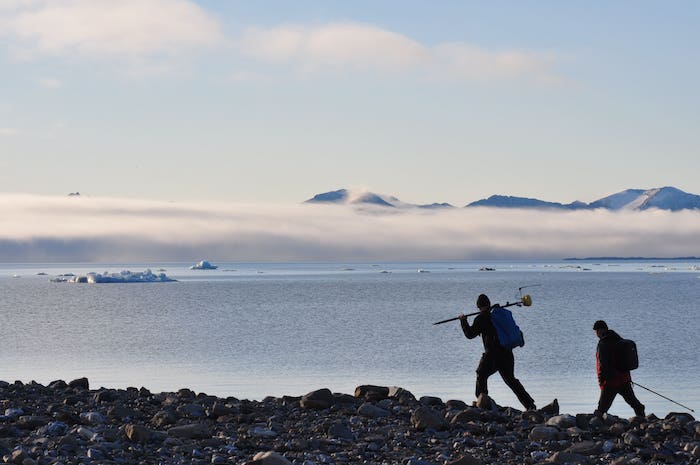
(660, 395)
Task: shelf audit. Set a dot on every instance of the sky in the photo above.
(451, 101)
(195, 129)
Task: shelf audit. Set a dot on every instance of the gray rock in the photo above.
(586, 448)
(372, 393)
(551, 408)
(86, 433)
(562, 421)
(163, 418)
(467, 415)
(13, 412)
(454, 404)
(218, 409)
(32, 421)
(58, 384)
(191, 411)
(340, 430)
(424, 418)
(191, 431)
(320, 399)
(466, 460)
(631, 439)
(569, 458)
(431, 401)
(371, 411)
(92, 418)
(80, 383)
(269, 458)
(137, 433)
(544, 433)
(583, 420)
(262, 432)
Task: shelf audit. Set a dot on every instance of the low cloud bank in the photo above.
(40, 228)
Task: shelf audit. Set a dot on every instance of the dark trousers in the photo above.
(501, 361)
(607, 395)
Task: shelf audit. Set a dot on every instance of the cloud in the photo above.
(361, 47)
(133, 29)
(148, 34)
(8, 132)
(38, 228)
(50, 83)
(336, 46)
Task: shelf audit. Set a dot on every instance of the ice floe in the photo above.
(203, 265)
(124, 276)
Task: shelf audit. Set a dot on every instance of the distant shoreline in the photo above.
(632, 258)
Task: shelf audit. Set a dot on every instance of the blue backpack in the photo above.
(509, 335)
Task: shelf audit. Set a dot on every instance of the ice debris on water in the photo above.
(124, 276)
(203, 265)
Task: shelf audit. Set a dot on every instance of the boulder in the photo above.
(137, 433)
(569, 458)
(466, 460)
(401, 395)
(372, 393)
(430, 400)
(586, 448)
(551, 408)
(80, 383)
(340, 430)
(269, 458)
(424, 418)
(562, 421)
(631, 439)
(467, 415)
(484, 402)
(371, 411)
(680, 417)
(456, 404)
(163, 418)
(544, 433)
(583, 420)
(92, 418)
(58, 384)
(320, 399)
(191, 431)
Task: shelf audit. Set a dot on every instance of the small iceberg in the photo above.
(124, 276)
(203, 265)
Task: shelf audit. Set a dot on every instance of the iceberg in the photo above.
(124, 276)
(203, 265)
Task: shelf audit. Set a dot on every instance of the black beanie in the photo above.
(600, 324)
(483, 301)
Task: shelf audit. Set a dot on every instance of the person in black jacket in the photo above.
(495, 357)
(611, 379)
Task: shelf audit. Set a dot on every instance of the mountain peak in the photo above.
(662, 198)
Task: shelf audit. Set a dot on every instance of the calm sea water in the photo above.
(252, 330)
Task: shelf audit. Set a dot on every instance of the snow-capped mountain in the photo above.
(663, 198)
(348, 197)
(523, 202)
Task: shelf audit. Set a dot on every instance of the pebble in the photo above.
(69, 424)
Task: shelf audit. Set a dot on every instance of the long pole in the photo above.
(508, 304)
(660, 395)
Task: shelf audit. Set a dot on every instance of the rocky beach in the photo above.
(68, 423)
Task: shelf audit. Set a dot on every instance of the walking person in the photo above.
(495, 358)
(611, 378)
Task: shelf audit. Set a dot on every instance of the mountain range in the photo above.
(662, 198)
